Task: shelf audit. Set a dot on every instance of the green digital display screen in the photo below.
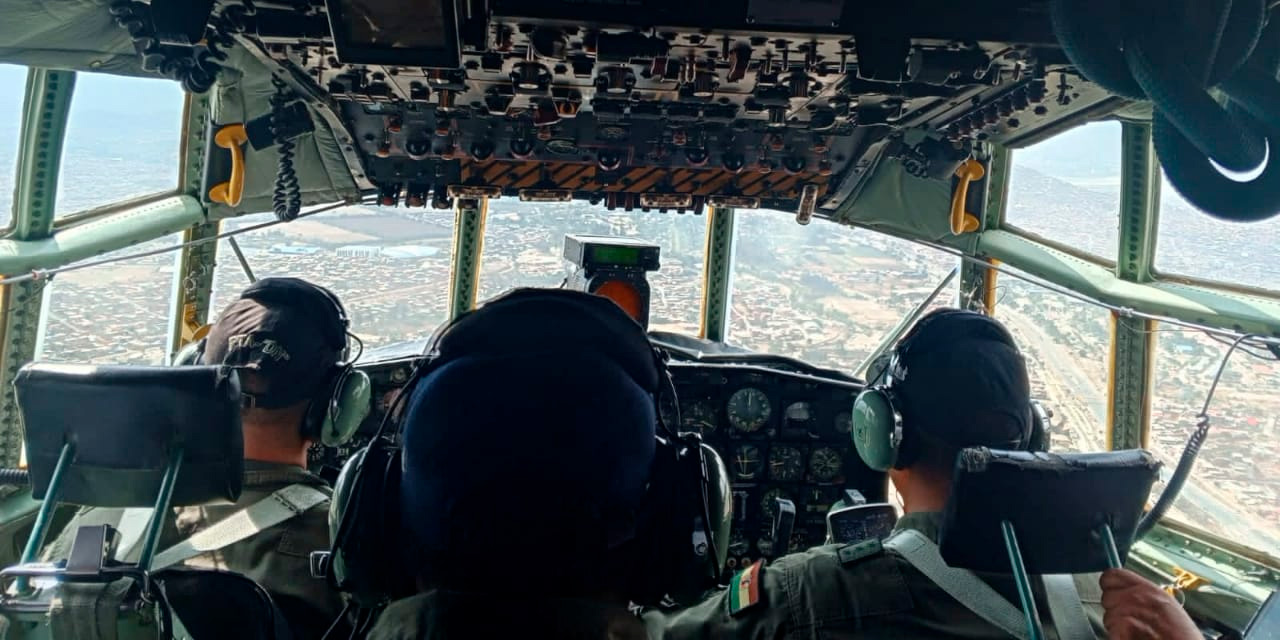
(611, 254)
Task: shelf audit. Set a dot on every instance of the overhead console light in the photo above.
(416, 33)
(666, 200)
(546, 195)
(735, 202)
(470, 191)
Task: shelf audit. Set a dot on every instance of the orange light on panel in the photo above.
(625, 295)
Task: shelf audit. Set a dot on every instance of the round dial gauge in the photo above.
(825, 464)
(747, 462)
(748, 409)
(765, 546)
(798, 413)
(738, 545)
(799, 541)
(698, 416)
(844, 422)
(786, 464)
(769, 504)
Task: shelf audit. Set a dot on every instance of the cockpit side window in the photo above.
(1187, 235)
(116, 313)
(1067, 190)
(1065, 342)
(122, 141)
(12, 83)
(1233, 491)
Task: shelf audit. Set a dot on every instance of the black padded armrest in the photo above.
(124, 421)
(1056, 503)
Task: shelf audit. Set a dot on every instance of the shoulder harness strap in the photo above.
(1066, 608)
(282, 505)
(961, 584)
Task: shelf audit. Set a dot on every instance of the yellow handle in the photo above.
(961, 221)
(231, 138)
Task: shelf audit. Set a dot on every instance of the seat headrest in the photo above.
(1055, 501)
(123, 422)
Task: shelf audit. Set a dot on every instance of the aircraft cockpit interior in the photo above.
(779, 192)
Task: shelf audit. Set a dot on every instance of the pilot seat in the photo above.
(130, 437)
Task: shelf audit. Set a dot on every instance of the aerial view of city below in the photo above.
(823, 293)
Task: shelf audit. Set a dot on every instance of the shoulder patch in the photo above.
(858, 550)
(744, 589)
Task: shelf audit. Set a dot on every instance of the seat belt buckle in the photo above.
(321, 561)
(91, 548)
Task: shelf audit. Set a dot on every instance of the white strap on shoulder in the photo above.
(280, 506)
(963, 585)
(1066, 609)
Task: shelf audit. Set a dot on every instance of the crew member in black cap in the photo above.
(957, 380)
(286, 338)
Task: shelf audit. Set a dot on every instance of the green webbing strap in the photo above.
(961, 584)
(284, 504)
(1066, 609)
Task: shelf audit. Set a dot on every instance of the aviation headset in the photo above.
(681, 530)
(878, 430)
(342, 401)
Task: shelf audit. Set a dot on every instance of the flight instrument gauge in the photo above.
(844, 422)
(738, 544)
(747, 462)
(699, 416)
(786, 463)
(769, 503)
(825, 464)
(748, 409)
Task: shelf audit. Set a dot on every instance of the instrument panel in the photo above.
(781, 434)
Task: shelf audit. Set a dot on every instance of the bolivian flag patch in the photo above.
(744, 589)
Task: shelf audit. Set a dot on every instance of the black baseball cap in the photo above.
(962, 381)
(281, 329)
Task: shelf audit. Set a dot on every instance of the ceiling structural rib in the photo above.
(44, 121)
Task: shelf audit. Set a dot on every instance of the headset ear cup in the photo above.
(1041, 425)
(877, 429)
(350, 404)
(191, 354)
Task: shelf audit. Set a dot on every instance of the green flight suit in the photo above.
(277, 558)
(514, 612)
(815, 595)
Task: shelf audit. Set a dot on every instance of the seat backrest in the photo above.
(125, 423)
(1056, 503)
(220, 604)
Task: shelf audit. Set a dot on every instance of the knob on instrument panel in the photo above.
(481, 150)
(609, 160)
(521, 148)
(697, 156)
(733, 161)
(616, 80)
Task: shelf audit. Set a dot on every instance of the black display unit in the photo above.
(418, 33)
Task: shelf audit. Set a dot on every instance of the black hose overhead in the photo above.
(1210, 70)
(14, 477)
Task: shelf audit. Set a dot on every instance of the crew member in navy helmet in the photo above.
(528, 460)
(957, 380)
